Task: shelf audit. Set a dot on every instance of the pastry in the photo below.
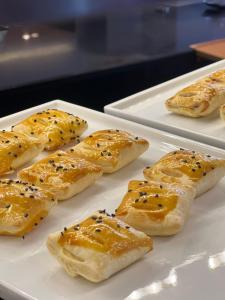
(22, 207)
(62, 174)
(200, 98)
(111, 149)
(16, 149)
(53, 127)
(155, 208)
(98, 247)
(222, 112)
(187, 168)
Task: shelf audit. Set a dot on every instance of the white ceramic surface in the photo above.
(147, 107)
(190, 265)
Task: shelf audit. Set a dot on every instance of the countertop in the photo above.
(60, 39)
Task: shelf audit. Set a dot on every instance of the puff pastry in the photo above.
(53, 127)
(22, 207)
(155, 208)
(201, 98)
(111, 149)
(62, 174)
(98, 247)
(16, 149)
(187, 168)
(222, 112)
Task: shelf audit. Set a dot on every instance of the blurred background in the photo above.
(93, 52)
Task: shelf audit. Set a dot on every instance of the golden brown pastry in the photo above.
(53, 127)
(201, 98)
(187, 168)
(222, 112)
(111, 149)
(62, 174)
(22, 207)
(155, 208)
(98, 247)
(16, 149)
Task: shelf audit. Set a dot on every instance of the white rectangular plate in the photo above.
(147, 107)
(189, 265)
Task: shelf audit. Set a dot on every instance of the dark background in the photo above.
(96, 52)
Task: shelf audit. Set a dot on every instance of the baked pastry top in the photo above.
(156, 199)
(222, 112)
(187, 168)
(16, 149)
(98, 246)
(53, 127)
(62, 174)
(112, 148)
(200, 98)
(155, 208)
(22, 207)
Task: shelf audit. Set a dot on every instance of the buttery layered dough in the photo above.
(16, 149)
(187, 168)
(98, 247)
(53, 127)
(201, 98)
(62, 174)
(111, 149)
(155, 208)
(22, 207)
(222, 112)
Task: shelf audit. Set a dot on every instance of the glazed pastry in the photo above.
(222, 112)
(22, 207)
(98, 247)
(111, 149)
(155, 208)
(201, 98)
(53, 127)
(187, 168)
(16, 149)
(62, 174)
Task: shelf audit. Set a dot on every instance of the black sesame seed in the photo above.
(26, 215)
(97, 230)
(204, 174)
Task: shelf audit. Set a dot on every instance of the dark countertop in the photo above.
(82, 37)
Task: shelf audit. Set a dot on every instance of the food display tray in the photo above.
(148, 108)
(189, 265)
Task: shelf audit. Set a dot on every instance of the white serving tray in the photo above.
(190, 265)
(147, 107)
